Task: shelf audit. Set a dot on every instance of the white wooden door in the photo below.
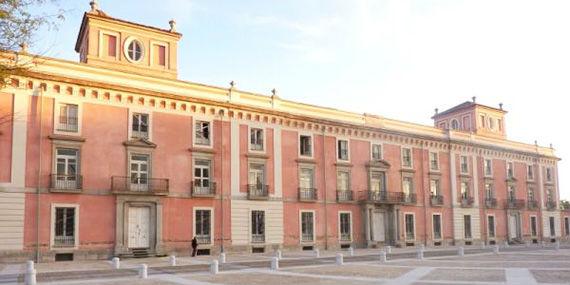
(378, 226)
(139, 228)
(512, 226)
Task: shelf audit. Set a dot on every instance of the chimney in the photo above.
(172, 24)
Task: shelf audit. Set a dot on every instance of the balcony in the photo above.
(436, 200)
(344, 195)
(257, 238)
(66, 183)
(139, 186)
(384, 197)
(532, 204)
(490, 203)
(257, 192)
(551, 205)
(67, 124)
(409, 198)
(514, 204)
(204, 239)
(308, 194)
(198, 190)
(466, 202)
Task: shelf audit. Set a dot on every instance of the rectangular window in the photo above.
(307, 226)
(305, 146)
(434, 187)
(530, 194)
(376, 151)
(566, 226)
(511, 192)
(552, 228)
(342, 147)
(433, 161)
(64, 231)
(533, 226)
(489, 191)
(139, 172)
(549, 174)
(510, 170)
(467, 123)
(464, 164)
(257, 226)
(202, 175)
(407, 157)
(256, 139)
(377, 179)
(436, 227)
(483, 121)
(140, 126)
(410, 231)
(500, 124)
(467, 226)
(530, 172)
(549, 195)
(345, 231)
(203, 224)
(111, 45)
(407, 185)
(465, 190)
(343, 180)
(256, 176)
(491, 226)
(491, 123)
(488, 164)
(306, 178)
(160, 55)
(68, 118)
(202, 133)
(67, 169)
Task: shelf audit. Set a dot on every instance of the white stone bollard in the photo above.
(172, 260)
(143, 271)
(527, 243)
(350, 251)
(317, 253)
(30, 276)
(557, 245)
(388, 249)
(422, 246)
(496, 249)
(214, 267)
(543, 243)
(339, 259)
(116, 263)
(420, 254)
(382, 256)
(461, 251)
(483, 245)
(222, 257)
(506, 244)
(274, 263)
(278, 254)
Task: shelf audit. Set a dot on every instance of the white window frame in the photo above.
(440, 225)
(312, 144)
(212, 220)
(349, 178)
(458, 125)
(351, 225)
(461, 157)
(507, 169)
(313, 212)
(125, 49)
(249, 144)
(56, 109)
(530, 166)
(249, 222)
(347, 150)
(546, 170)
(102, 34)
(411, 157)
(210, 169)
(133, 111)
(209, 120)
(437, 159)
(312, 168)
(463, 122)
(470, 227)
(494, 227)
(52, 225)
(166, 54)
(485, 168)
(406, 230)
(372, 144)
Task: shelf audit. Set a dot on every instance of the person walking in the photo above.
(194, 246)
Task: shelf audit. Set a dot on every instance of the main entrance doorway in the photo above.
(139, 227)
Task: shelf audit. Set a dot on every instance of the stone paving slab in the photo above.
(258, 278)
(467, 275)
(357, 270)
(551, 276)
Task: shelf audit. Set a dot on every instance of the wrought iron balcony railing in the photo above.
(201, 189)
(66, 183)
(308, 194)
(466, 202)
(204, 239)
(139, 185)
(257, 192)
(344, 195)
(409, 198)
(63, 241)
(551, 205)
(384, 197)
(436, 200)
(515, 204)
(490, 203)
(532, 204)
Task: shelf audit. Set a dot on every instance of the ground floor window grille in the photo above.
(467, 226)
(409, 218)
(258, 226)
(345, 233)
(491, 226)
(203, 226)
(307, 226)
(436, 227)
(64, 227)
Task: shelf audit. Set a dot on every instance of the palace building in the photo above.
(115, 156)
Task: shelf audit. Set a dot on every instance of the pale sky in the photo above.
(395, 58)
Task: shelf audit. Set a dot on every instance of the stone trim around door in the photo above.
(123, 203)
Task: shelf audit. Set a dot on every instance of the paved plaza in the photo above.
(513, 265)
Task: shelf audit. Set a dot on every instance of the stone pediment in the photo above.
(139, 142)
(378, 164)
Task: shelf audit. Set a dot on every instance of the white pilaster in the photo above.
(277, 167)
(19, 133)
(234, 147)
(453, 178)
(475, 182)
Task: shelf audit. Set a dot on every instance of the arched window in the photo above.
(454, 124)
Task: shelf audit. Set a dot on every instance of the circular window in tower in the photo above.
(134, 50)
